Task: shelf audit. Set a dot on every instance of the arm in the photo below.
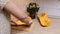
(13, 9)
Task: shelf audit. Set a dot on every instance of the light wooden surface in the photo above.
(54, 28)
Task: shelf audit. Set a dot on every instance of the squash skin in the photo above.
(18, 22)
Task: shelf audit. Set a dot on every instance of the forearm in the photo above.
(12, 8)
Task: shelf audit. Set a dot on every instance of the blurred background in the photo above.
(51, 7)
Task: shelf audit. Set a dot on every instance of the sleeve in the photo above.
(2, 3)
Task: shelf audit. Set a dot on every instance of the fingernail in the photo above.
(30, 21)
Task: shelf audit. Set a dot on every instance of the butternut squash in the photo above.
(44, 20)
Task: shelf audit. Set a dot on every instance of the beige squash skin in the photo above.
(18, 22)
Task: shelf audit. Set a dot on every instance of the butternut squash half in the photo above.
(43, 19)
(15, 21)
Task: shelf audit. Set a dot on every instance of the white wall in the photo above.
(22, 3)
(52, 7)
